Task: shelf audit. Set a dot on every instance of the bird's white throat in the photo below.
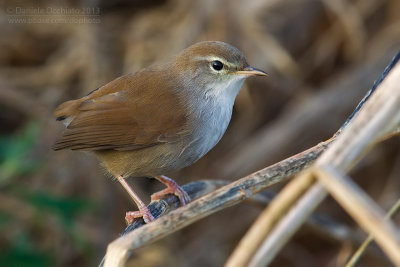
(225, 90)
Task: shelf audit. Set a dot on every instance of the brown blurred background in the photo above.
(61, 209)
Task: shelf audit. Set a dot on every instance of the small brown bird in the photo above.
(159, 119)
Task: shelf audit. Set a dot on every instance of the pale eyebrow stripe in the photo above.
(212, 58)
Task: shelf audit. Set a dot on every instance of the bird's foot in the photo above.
(172, 188)
(142, 212)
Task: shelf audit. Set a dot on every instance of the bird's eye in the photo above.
(217, 65)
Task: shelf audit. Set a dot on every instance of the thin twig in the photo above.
(357, 255)
(370, 92)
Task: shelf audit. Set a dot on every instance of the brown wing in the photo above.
(126, 114)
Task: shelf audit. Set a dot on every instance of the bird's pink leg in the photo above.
(143, 210)
(172, 188)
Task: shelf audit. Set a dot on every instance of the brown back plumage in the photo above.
(122, 115)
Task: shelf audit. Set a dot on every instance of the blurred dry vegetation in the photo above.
(61, 209)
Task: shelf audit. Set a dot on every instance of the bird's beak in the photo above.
(250, 71)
